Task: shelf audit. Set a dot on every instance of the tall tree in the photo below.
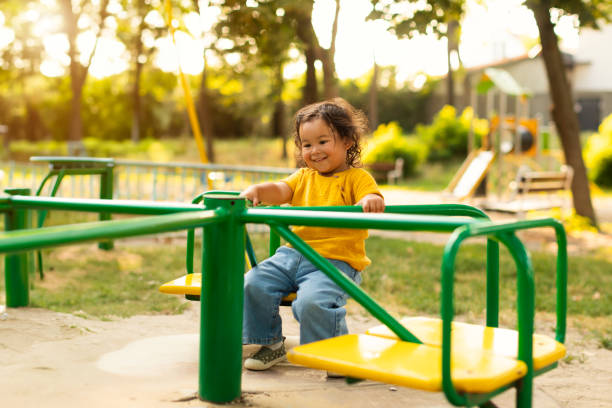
(72, 15)
(373, 98)
(265, 34)
(301, 13)
(566, 120)
(438, 17)
(21, 60)
(204, 104)
(130, 30)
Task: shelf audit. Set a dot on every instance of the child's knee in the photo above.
(253, 287)
(308, 306)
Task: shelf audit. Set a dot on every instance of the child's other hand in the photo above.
(372, 203)
(252, 194)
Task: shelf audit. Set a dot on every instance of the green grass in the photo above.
(123, 282)
(407, 275)
(404, 277)
(432, 176)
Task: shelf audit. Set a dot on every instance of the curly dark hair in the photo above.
(342, 118)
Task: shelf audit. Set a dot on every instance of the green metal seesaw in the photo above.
(223, 218)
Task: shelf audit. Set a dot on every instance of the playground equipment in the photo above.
(60, 167)
(223, 218)
(513, 140)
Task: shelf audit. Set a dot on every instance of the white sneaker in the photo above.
(265, 358)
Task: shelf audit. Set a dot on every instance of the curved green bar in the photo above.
(458, 210)
(525, 298)
(562, 262)
(345, 283)
(25, 240)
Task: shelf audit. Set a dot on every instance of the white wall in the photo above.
(595, 48)
(530, 74)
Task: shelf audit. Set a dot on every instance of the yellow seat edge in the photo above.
(179, 286)
(554, 350)
(330, 354)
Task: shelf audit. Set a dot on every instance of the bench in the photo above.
(529, 187)
(389, 172)
(528, 181)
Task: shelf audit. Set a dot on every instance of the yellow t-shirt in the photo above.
(343, 188)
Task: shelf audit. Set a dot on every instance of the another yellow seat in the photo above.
(191, 284)
(408, 364)
(465, 336)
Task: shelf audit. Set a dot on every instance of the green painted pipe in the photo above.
(17, 267)
(525, 296)
(96, 205)
(221, 314)
(354, 220)
(25, 240)
(345, 283)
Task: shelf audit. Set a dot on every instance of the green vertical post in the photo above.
(106, 193)
(492, 283)
(17, 267)
(274, 242)
(222, 302)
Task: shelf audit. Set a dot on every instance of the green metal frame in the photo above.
(223, 218)
(61, 166)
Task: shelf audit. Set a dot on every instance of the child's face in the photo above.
(322, 150)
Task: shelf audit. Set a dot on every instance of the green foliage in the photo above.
(598, 154)
(420, 17)
(447, 136)
(396, 103)
(147, 149)
(21, 150)
(388, 143)
(406, 275)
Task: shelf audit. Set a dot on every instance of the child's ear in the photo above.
(348, 143)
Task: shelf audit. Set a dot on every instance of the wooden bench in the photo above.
(537, 190)
(389, 172)
(528, 181)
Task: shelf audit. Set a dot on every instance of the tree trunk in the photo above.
(330, 84)
(75, 124)
(452, 42)
(305, 32)
(330, 89)
(77, 80)
(136, 98)
(310, 93)
(373, 99)
(205, 114)
(278, 117)
(78, 72)
(564, 116)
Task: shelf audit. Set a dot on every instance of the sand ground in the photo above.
(60, 360)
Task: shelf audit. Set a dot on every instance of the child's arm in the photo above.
(274, 193)
(372, 203)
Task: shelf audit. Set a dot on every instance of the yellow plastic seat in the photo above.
(191, 284)
(407, 364)
(501, 342)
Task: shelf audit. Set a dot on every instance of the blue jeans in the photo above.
(319, 306)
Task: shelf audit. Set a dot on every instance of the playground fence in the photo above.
(144, 180)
